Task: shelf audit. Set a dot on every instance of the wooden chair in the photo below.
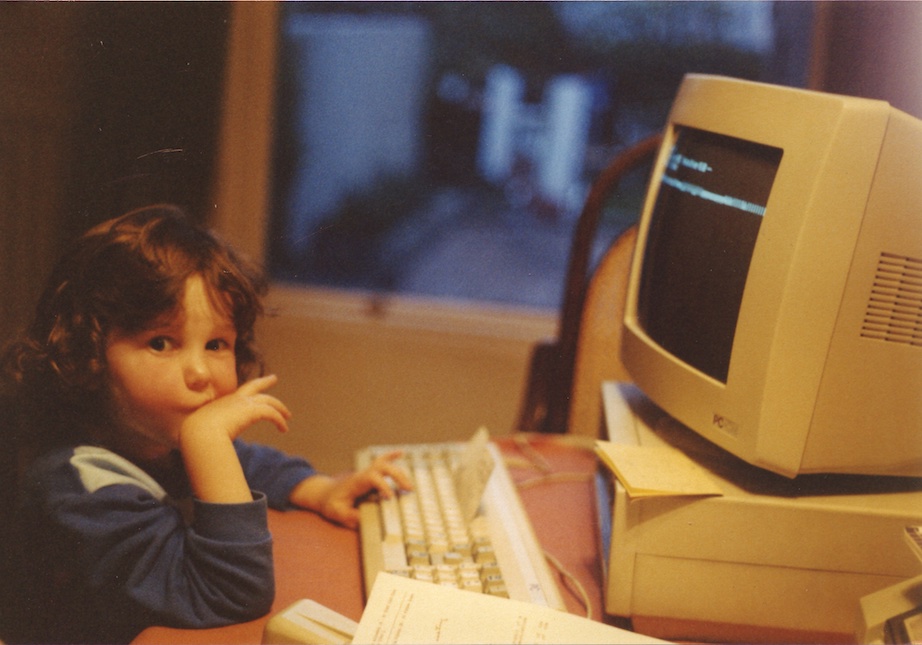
(563, 391)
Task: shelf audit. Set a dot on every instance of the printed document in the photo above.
(402, 610)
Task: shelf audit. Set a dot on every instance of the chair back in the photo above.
(563, 390)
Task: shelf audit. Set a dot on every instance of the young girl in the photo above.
(141, 505)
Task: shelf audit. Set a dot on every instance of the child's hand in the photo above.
(206, 436)
(335, 499)
(235, 412)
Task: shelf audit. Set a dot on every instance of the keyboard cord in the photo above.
(554, 478)
(576, 584)
(536, 460)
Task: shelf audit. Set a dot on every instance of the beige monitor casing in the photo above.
(826, 366)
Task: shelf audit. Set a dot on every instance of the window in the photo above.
(444, 148)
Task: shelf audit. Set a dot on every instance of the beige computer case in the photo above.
(771, 557)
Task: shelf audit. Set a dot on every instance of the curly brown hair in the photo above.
(124, 275)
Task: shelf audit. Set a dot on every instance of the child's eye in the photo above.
(217, 344)
(159, 343)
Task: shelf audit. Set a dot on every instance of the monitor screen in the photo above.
(702, 234)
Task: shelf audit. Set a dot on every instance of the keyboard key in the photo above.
(418, 558)
(469, 584)
(395, 556)
(390, 519)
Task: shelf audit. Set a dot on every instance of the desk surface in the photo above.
(318, 560)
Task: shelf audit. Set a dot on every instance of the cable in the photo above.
(534, 459)
(537, 459)
(554, 478)
(576, 584)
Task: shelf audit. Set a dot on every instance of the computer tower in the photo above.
(770, 559)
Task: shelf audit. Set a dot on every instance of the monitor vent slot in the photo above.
(894, 312)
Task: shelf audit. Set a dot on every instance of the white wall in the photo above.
(356, 371)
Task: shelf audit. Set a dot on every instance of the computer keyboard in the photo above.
(428, 533)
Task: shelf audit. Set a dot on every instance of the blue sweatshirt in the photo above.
(112, 548)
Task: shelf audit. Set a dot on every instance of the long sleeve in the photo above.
(123, 555)
(272, 472)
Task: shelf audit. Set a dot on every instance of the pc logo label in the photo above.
(725, 425)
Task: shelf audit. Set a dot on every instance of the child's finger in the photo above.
(390, 456)
(348, 518)
(275, 417)
(400, 476)
(258, 384)
(377, 481)
(385, 464)
(249, 409)
(274, 403)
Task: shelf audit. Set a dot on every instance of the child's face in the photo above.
(159, 376)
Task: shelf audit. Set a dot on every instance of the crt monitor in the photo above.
(775, 298)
